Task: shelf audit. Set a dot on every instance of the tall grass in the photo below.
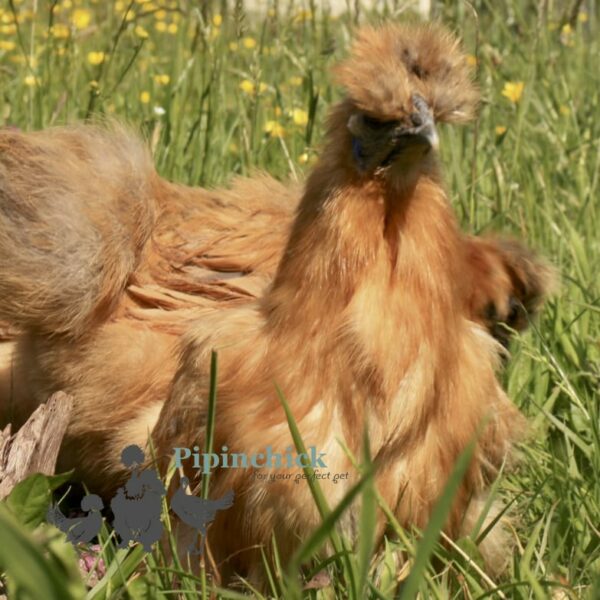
(219, 90)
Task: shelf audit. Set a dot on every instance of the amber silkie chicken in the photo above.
(358, 296)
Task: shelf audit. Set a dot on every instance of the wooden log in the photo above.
(34, 448)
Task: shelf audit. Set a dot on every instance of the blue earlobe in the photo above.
(357, 153)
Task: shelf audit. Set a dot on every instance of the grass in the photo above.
(218, 91)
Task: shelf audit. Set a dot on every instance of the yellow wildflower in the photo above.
(66, 4)
(500, 130)
(566, 36)
(162, 79)
(233, 46)
(274, 129)
(303, 15)
(59, 31)
(140, 32)
(81, 18)
(513, 90)
(299, 116)
(217, 20)
(303, 158)
(95, 58)
(471, 60)
(7, 45)
(247, 86)
(295, 80)
(565, 110)
(31, 80)
(249, 42)
(160, 26)
(172, 28)
(583, 17)
(160, 15)
(145, 97)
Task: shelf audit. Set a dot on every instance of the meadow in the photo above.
(218, 90)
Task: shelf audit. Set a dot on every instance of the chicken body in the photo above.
(362, 301)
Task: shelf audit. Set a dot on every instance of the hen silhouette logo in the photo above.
(137, 508)
(197, 512)
(137, 505)
(82, 529)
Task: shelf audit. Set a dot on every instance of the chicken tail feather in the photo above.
(76, 209)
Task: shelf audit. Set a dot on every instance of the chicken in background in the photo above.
(358, 295)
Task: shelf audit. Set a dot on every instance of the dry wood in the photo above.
(34, 448)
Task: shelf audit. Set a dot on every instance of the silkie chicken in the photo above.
(357, 295)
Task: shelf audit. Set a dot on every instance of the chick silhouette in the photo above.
(197, 512)
(79, 529)
(137, 505)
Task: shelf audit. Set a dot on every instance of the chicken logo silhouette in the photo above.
(137, 508)
(80, 529)
(137, 505)
(198, 512)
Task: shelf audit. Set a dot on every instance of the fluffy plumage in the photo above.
(361, 299)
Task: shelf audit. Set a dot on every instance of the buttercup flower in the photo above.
(162, 79)
(140, 32)
(299, 116)
(247, 86)
(274, 129)
(81, 18)
(59, 31)
(249, 42)
(513, 90)
(95, 58)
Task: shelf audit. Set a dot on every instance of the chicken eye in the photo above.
(376, 124)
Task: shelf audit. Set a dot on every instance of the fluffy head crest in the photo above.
(388, 65)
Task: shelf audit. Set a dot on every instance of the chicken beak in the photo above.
(423, 134)
(424, 137)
